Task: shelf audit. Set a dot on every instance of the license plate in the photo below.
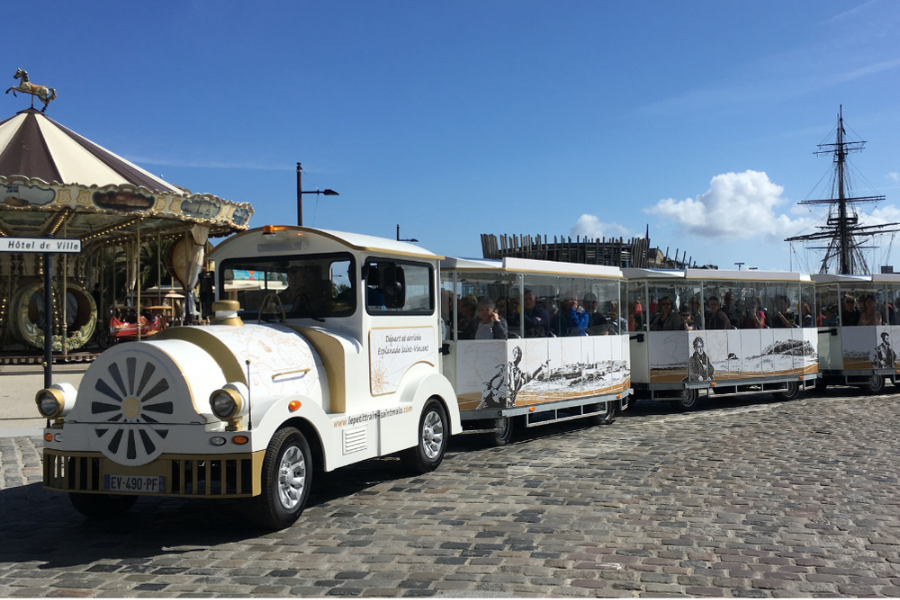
(134, 483)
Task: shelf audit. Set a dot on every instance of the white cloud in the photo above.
(736, 206)
(895, 176)
(591, 227)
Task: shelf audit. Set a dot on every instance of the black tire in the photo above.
(690, 400)
(792, 392)
(821, 385)
(875, 385)
(101, 506)
(607, 416)
(104, 339)
(286, 480)
(428, 453)
(506, 425)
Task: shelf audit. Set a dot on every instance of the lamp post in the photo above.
(406, 240)
(300, 195)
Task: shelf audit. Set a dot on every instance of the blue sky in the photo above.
(453, 119)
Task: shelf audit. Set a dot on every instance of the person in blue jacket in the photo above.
(571, 320)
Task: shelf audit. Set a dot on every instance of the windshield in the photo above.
(315, 286)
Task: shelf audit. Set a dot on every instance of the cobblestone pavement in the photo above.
(745, 498)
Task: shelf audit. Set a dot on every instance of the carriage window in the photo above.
(487, 306)
(398, 288)
(827, 302)
(863, 305)
(315, 286)
(808, 313)
(781, 304)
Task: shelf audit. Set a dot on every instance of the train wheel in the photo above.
(690, 400)
(98, 506)
(429, 452)
(504, 435)
(606, 416)
(792, 391)
(286, 479)
(875, 385)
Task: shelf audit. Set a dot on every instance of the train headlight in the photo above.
(50, 403)
(56, 401)
(225, 403)
(230, 403)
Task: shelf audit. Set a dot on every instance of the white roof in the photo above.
(527, 265)
(716, 275)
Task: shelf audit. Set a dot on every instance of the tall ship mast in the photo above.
(845, 236)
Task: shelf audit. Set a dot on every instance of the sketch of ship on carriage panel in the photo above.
(758, 353)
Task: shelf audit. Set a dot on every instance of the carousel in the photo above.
(135, 229)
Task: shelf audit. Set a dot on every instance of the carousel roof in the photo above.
(36, 146)
(51, 177)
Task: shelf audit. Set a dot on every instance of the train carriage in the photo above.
(697, 332)
(563, 353)
(858, 323)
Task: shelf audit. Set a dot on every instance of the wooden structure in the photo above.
(613, 252)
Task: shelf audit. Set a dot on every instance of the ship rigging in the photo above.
(843, 231)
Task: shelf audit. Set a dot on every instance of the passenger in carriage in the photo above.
(636, 316)
(783, 317)
(753, 317)
(597, 323)
(694, 303)
(666, 319)
(849, 312)
(869, 315)
(468, 321)
(571, 320)
(829, 316)
(806, 316)
(893, 315)
(715, 318)
(687, 322)
(615, 324)
(536, 317)
(489, 325)
(730, 308)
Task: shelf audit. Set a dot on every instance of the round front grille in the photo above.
(133, 396)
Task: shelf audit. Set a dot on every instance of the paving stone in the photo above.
(740, 499)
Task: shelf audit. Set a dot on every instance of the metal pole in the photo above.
(65, 301)
(137, 278)
(299, 197)
(48, 321)
(398, 232)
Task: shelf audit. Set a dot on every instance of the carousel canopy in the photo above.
(53, 180)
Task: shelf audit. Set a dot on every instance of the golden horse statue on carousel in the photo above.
(44, 94)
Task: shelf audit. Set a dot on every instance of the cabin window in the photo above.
(394, 287)
(313, 286)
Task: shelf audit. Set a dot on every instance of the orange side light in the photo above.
(531, 409)
(712, 383)
(240, 440)
(48, 437)
(294, 406)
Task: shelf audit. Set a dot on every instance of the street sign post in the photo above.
(48, 246)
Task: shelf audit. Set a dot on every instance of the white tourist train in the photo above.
(331, 348)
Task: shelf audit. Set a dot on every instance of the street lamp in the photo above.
(300, 196)
(406, 240)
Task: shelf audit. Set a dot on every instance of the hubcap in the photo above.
(432, 434)
(291, 478)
